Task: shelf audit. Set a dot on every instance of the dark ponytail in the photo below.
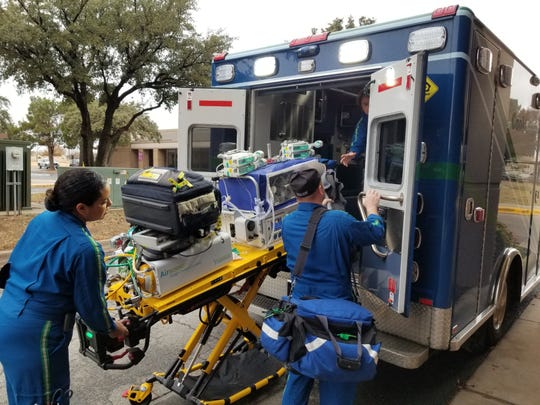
(72, 187)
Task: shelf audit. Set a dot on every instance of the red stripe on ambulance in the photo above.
(215, 103)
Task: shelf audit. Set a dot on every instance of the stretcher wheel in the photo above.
(141, 394)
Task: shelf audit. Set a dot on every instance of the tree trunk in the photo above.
(87, 147)
(50, 152)
(108, 139)
(105, 149)
(80, 97)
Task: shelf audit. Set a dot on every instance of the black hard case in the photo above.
(151, 201)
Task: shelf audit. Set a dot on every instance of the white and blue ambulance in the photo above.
(452, 147)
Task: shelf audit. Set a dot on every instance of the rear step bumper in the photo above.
(401, 352)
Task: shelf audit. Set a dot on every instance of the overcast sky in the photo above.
(257, 24)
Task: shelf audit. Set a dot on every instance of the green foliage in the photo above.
(42, 124)
(337, 24)
(366, 21)
(5, 119)
(142, 128)
(106, 51)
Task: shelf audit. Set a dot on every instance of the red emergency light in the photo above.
(220, 56)
(445, 12)
(309, 40)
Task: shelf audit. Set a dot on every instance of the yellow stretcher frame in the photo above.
(211, 292)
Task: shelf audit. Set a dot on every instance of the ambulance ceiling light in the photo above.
(266, 66)
(427, 39)
(354, 51)
(225, 73)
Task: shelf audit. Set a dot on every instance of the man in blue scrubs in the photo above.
(326, 272)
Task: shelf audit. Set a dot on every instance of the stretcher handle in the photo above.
(374, 247)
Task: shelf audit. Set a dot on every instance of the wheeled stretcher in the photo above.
(223, 296)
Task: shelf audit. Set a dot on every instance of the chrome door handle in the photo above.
(374, 247)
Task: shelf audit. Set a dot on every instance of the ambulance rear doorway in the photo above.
(326, 111)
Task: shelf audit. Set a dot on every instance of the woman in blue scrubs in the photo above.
(359, 137)
(56, 270)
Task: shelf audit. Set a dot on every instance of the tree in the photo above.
(42, 124)
(106, 51)
(5, 119)
(366, 21)
(142, 128)
(334, 26)
(337, 24)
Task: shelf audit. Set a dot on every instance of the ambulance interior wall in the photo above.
(328, 114)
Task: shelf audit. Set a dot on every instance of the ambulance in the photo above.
(452, 148)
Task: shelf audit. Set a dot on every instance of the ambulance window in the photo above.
(206, 144)
(391, 151)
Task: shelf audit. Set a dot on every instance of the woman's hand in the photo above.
(120, 332)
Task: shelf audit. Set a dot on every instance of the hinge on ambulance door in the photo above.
(423, 152)
(469, 208)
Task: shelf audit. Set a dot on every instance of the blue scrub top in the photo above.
(359, 138)
(58, 268)
(326, 273)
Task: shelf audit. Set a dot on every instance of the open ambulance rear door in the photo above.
(210, 121)
(395, 112)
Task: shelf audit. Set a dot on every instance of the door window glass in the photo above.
(391, 151)
(207, 143)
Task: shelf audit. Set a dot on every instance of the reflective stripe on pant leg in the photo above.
(45, 361)
(43, 376)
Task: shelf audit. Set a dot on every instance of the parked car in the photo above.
(55, 165)
(43, 163)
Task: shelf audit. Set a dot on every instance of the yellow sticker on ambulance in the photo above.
(431, 89)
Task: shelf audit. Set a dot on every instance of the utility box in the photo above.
(14, 159)
(15, 179)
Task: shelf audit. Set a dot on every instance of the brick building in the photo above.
(143, 154)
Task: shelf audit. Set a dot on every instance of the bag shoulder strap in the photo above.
(308, 239)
